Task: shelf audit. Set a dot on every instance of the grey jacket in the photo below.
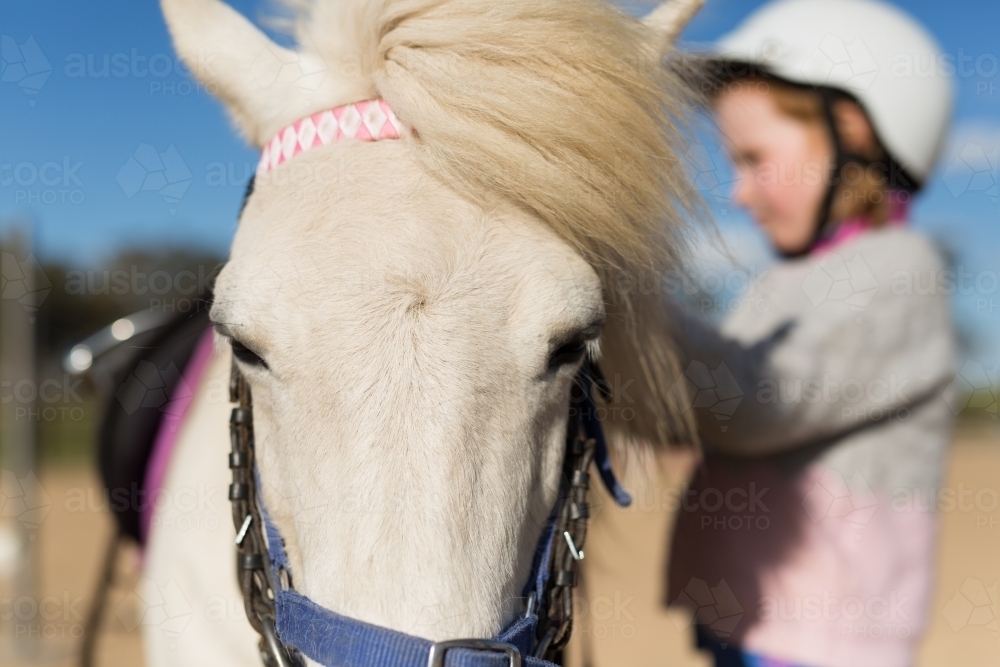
(844, 356)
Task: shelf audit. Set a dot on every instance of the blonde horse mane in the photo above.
(566, 110)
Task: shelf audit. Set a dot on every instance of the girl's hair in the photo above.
(864, 188)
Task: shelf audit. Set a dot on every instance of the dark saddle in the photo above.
(137, 378)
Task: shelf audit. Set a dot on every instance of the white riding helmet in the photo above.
(870, 50)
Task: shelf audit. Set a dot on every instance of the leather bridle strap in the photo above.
(256, 576)
(291, 625)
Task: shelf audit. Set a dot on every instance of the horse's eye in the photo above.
(570, 353)
(246, 355)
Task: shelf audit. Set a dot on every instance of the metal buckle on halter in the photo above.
(438, 649)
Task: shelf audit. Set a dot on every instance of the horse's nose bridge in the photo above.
(460, 400)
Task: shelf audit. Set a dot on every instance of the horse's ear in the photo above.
(669, 19)
(263, 85)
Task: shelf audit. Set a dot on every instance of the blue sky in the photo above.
(74, 136)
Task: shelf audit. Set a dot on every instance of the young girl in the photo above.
(806, 536)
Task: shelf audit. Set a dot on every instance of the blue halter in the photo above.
(333, 640)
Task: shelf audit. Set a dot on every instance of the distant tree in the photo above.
(84, 300)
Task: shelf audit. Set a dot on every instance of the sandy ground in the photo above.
(70, 546)
(621, 619)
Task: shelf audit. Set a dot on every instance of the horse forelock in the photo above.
(564, 109)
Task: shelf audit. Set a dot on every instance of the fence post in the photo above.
(19, 491)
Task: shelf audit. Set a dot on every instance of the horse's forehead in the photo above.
(393, 233)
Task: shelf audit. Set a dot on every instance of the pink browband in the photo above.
(370, 120)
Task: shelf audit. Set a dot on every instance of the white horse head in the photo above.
(419, 307)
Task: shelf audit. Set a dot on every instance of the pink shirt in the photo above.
(805, 566)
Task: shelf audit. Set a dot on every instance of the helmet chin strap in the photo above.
(841, 157)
